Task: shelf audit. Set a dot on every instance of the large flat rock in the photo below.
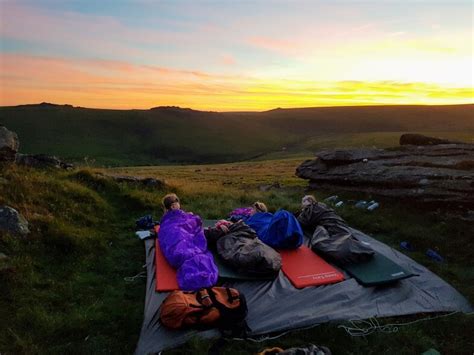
(442, 173)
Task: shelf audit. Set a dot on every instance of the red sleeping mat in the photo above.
(164, 273)
(304, 268)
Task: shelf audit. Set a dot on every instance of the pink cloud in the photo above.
(304, 42)
(227, 59)
(278, 45)
(101, 36)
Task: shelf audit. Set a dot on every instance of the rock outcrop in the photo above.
(12, 222)
(419, 139)
(144, 181)
(42, 161)
(429, 173)
(9, 145)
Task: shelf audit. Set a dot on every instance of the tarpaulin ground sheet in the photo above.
(278, 306)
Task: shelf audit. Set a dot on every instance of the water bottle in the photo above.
(361, 204)
(332, 198)
(339, 204)
(434, 255)
(406, 246)
(373, 206)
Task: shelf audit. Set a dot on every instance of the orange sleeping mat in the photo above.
(164, 273)
(305, 268)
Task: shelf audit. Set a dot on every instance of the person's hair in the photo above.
(260, 207)
(308, 200)
(168, 200)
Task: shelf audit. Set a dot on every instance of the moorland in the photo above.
(64, 288)
(165, 135)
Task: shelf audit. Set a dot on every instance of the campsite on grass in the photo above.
(236, 177)
(79, 272)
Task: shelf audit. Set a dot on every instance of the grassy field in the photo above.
(172, 135)
(63, 288)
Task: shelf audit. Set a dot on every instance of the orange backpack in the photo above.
(222, 307)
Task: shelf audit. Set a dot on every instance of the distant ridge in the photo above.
(274, 110)
(324, 108)
(44, 105)
(171, 134)
(172, 108)
(179, 111)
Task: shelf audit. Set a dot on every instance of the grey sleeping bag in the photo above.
(241, 249)
(331, 236)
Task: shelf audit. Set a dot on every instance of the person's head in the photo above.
(259, 207)
(171, 202)
(308, 200)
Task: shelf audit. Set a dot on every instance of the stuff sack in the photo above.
(145, 222)
(221, 307)
(280, 230)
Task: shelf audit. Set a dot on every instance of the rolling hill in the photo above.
(176, 135)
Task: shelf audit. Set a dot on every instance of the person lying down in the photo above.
(330, 234)
(240, 248)
(279, 230)
(184, 246)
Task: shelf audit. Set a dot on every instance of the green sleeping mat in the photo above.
(209, 222)
(379, 270)
(226, 272)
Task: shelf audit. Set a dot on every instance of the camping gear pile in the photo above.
(361, 204)
(354, 264)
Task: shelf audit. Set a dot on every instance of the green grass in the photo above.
(64, 291)
(64, 288)
(134, 137)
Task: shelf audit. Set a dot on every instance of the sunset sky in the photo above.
(235, 55)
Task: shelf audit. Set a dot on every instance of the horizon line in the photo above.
(232, 111)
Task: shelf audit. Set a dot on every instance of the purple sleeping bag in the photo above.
(184, 246)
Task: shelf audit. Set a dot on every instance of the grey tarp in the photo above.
(277, 306)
